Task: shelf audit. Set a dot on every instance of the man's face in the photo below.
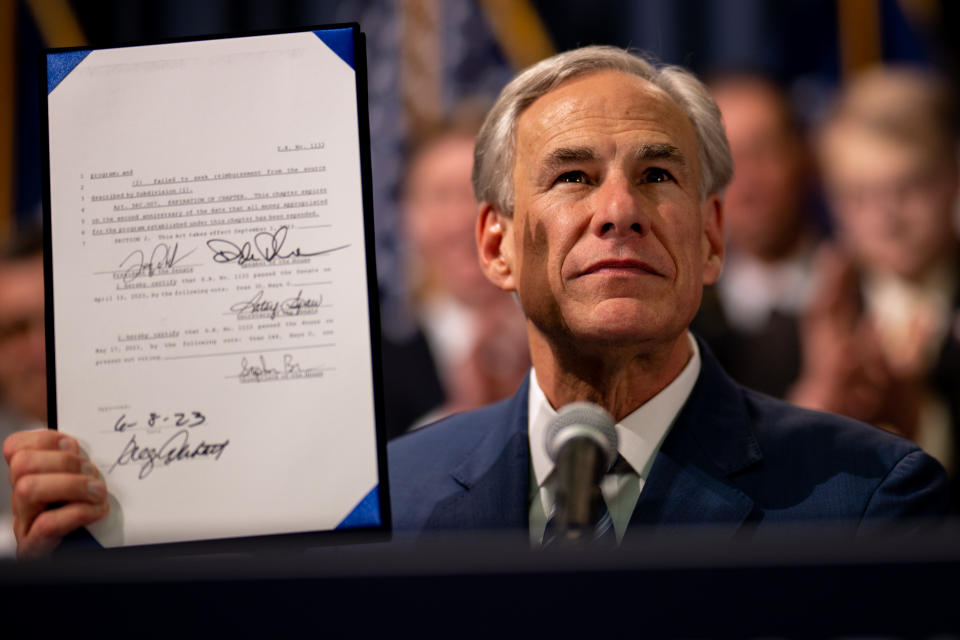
(893, 204)
(23, 382)
(609, 242)
(764, 198)
(439, 215)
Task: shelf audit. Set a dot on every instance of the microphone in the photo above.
(582, 442)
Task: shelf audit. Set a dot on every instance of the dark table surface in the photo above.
(690, 583)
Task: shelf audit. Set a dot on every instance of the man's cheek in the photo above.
(536, 292)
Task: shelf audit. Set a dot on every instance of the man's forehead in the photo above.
(854, 152)
(601, 101)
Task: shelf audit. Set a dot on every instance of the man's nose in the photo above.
(619, 211)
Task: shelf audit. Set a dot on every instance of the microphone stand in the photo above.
(578, 499)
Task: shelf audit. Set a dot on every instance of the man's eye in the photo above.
(578, 177)
(657, 175)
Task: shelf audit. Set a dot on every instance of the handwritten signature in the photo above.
(177, 448)
(260, 371)
(266, 247)
(162, 260)
(258, 306)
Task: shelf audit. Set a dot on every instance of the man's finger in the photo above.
(44, 488)
(40, 439)
(51, 526)
(30, 461)
(33, 493)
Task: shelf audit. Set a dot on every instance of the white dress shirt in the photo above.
(751, 290)
(640, 435)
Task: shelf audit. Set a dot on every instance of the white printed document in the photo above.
(212, 286)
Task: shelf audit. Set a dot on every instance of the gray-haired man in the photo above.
(600, 179)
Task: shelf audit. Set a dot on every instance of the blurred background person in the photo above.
(468, 344)
(882, 338)
(23, 381)
(750, 317)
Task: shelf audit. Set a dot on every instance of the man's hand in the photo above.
(46, 467)
(496, 363)
(846, 368)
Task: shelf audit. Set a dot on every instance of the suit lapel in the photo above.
(710, 440)
(495, 478)
(688, 484)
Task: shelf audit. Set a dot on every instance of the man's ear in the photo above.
(495, 246)
(713, 248)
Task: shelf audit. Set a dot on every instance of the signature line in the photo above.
(242, 353)
(177, 266)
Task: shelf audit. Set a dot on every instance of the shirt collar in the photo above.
(640, 433)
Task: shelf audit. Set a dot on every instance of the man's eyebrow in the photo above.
(563, 156)
(659, 152)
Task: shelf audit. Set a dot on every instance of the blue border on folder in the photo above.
(340, 42)
(366, 513)
(59, 65)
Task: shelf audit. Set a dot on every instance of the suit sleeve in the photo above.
(913, 495)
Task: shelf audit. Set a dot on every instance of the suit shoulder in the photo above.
(421, 462)
(790, 430)
(823, 459)
(439, 446)
(447, 439)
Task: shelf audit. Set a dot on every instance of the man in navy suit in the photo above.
(600, 179)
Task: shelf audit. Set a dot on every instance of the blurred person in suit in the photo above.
(467, 346)
(750, 317)
(23, 381)
(882, 337)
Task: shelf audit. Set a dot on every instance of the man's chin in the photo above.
(628, 322)
(620, 335)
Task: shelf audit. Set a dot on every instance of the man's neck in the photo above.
(618, 379)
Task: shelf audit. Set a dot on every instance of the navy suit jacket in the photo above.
(733, 458)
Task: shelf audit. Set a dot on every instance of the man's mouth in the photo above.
(620, 265)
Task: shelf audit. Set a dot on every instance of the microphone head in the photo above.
(583, 420)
